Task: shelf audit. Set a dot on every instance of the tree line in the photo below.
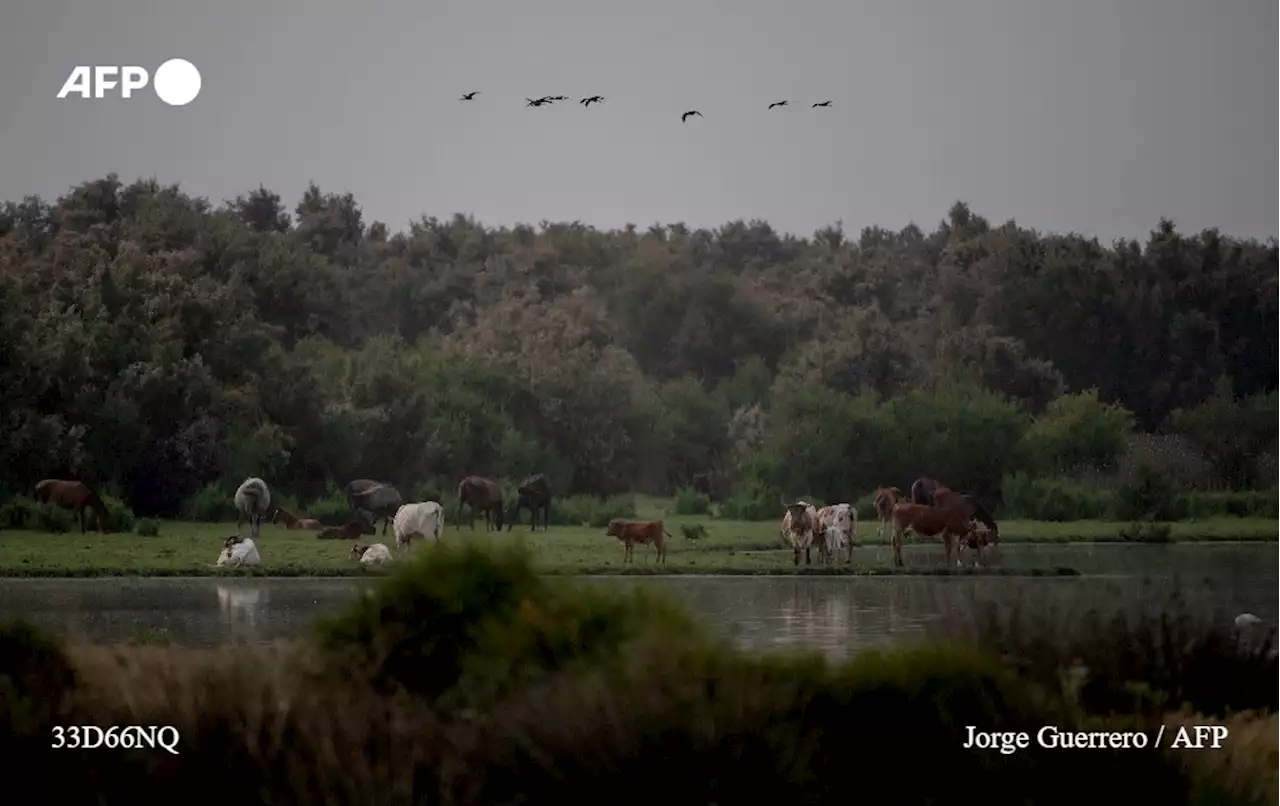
(154, 344)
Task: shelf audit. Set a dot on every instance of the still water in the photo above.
(837, 615)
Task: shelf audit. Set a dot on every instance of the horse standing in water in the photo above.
(253, 501)
(75, 496)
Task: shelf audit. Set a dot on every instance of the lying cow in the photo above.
(799, 527)
(930, 522)
(837, 529)
(632, 532)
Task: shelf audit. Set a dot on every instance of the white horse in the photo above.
(424, 520)
(253, 502)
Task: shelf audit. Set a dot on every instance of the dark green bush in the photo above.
(119, 514)
(147, 527)
(211, 504)
(1240, 504)
(590, 510)
(1147, 492)
(1147, 531)
(331, 510)
(1054, 500)
(691, 502)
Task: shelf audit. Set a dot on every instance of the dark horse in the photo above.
(379, 499)
(534, 495)
(75, 496)
(481, 495)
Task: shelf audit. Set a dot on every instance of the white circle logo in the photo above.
(177, 82)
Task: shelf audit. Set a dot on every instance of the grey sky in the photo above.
(1097, 116)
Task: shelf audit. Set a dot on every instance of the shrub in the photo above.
(695, 531)
(331, 510)
(211, 504)
(589, 510)
(1146, 532)
(147, 527)
(1242, 504)
(1147, 492)
(753, 501)
(1054, 500)
(691, 502)
(119, 514)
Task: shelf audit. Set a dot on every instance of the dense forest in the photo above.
(154, 344)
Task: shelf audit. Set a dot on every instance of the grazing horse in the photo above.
(75, 496)
(930, 522)
(379, 499)
(884, 500)
(922, 490)
(480, 495)
(534, 495)
(253, 500)
(292, 521)
(799, 525)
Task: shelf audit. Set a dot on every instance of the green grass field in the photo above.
(730, 547)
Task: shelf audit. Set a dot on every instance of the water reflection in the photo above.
(838, 615)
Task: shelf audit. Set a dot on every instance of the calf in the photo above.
(884, 500)
(375, 554)
(348, 531)
(632, 532)
(837, 528)
(799, 524)
(930, 522)
(977, 539)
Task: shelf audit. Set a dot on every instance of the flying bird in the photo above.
(467, 96)
(594, 99)
(777, 103)
(539, 102)
(686, 115)
(824, 103)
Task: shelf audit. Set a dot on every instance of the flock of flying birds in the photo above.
(596, 99)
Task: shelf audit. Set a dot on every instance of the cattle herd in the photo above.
(931, 510)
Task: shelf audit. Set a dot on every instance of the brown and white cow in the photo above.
(799, 527)
(837, 529)
(978, 540)
(930, 522)
(632, 532)
(885, 498)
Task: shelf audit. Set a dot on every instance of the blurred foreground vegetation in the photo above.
(466, 678)
(164, 348)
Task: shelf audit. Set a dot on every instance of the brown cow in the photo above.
(884, 500)
(642, 532)
(75, 496)
(966, 505)
(348, 531)
(930, 522)
(481, 495)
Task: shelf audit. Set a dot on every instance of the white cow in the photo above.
(239, 552)
(425, 520)
(837, 529)
(799, 525)
(253, 502)
(377, 554)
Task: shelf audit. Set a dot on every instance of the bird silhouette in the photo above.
(556, 98)
(467, 96)
(539, 102)
(594, 99)
(778, 103)
(824, 103)
(686, 115)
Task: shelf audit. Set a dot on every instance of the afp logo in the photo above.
(176, 82)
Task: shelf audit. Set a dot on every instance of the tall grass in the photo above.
(465, 678)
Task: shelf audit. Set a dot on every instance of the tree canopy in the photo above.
(157, 343)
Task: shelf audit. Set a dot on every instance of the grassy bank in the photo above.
(728, 547)
(468, 678)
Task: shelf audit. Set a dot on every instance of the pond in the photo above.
(837, 615)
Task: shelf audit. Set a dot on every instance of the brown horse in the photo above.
(348, 531)
(292, 521)
(884, 500)
(75, 496)
(481, 495)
